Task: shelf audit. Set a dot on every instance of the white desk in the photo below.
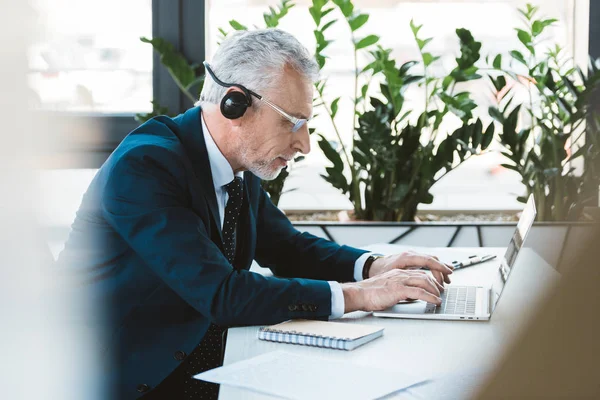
(454, 354)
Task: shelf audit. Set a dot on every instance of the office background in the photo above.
(88, 74)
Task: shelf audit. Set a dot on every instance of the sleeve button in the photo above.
(143, 388)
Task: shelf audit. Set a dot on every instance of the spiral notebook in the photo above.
(333, 335)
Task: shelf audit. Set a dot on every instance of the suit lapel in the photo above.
(192, 137)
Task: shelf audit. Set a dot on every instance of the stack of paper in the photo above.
(296, 376)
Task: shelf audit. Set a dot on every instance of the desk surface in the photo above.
(454, 354)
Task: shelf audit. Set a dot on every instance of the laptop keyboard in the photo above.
(455, 300)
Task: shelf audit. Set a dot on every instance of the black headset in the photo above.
(234, 104)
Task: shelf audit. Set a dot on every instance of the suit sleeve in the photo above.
(290, 253)
(146, 201)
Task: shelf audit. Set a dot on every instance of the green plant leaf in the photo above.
(406, 66)
(345, 6)
(366, 41)
(498, 61)
(331, 154)
(518, 56)
(460, 104)
(327, 11)
(179, 68)
(427, 198)
(499, 83)
(510, 166)
(496, 114)
(423, 43)
(488, 136)
(414, 28)
(273, 17)
(469, 49)
(531, 10)
(363, 90)
(315, 11)
(358, 21)
(336, 179)
(237, 26)
(320, 60)
(524, 13)
(538, 26)
(477, 134)
(328, 25)
(428, 59)
(446, 82)
(524, 37)
(334, 107)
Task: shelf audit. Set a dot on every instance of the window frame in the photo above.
(594, 33)
(594, 53)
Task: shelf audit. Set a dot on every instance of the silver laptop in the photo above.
(464, 303)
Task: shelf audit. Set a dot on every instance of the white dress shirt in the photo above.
(222, 174)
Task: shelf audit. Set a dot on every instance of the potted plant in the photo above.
(542, 137)
(397, 154)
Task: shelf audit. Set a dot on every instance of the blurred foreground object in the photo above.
(558, 354)
(41, 355)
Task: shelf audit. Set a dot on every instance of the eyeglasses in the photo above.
(297, 122)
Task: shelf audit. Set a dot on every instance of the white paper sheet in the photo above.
(296, 376)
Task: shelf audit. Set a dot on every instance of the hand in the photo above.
(412, 261)
(388, 288)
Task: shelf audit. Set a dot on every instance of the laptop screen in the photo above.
(516, 242)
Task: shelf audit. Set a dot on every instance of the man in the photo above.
(168, 228)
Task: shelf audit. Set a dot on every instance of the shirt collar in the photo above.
(222, 174)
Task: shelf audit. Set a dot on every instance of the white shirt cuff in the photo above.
(337, 300)
(358, 266)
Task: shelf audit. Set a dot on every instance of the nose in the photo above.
(301, 140)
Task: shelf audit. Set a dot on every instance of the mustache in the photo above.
(288, 158)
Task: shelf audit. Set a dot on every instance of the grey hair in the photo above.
(256, 59)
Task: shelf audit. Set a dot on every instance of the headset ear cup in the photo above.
(234, 105)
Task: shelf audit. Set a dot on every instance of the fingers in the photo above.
(424, 282)
(438, 281)
(422, 294)
(446, 278)
(432, 263)
(440, 278)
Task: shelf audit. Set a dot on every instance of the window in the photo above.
(90, 57)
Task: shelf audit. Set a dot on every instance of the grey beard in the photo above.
(264, 172)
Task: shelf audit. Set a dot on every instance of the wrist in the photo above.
(371, 266)
(351, 294)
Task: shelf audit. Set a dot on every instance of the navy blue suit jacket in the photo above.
(146, 245)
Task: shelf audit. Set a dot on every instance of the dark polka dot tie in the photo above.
(207, 355)
(235, 190)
